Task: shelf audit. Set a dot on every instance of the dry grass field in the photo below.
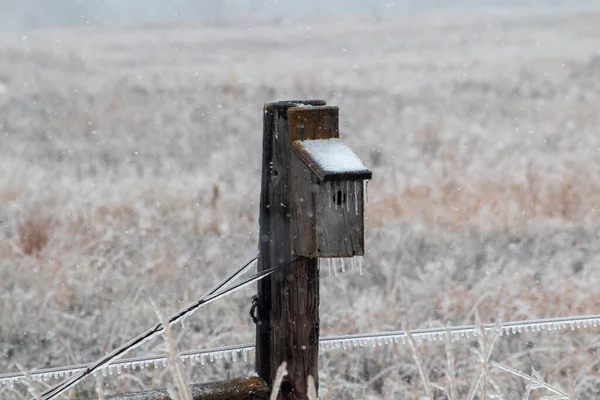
(130, 167)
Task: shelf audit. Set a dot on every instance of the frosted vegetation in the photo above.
(130, 167)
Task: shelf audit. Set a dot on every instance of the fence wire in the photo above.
(240, 353)
(222, 289)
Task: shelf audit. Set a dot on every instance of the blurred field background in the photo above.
(130, 171)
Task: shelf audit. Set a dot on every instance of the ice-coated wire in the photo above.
(331, 342)
(466, 331)
(221, 290)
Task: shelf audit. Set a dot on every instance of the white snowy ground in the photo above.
(129, 171)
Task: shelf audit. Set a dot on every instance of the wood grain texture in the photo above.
(340, 219)
(304, 237)
(287, 312)
(313, 122)
(252, 388)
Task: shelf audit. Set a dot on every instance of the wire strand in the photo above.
(327, 343)
(210, 296)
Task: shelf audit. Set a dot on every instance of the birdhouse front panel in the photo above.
(339, 219)
(328, 199)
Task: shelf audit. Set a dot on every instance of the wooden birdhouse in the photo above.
(328, 187)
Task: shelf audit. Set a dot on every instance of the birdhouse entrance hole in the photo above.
(340, 198)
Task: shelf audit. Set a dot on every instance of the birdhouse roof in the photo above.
(331, 160)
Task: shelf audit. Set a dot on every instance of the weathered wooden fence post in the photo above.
(307, 188)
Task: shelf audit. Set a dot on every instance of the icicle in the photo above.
(355, 197)
(335, 269)
(348, 196)
(335, 198)
(353, 263)
(329, 265)
(202, 361)
(155, 363)
(360, 264)
(343, 264)
(245, 355)
(328, 184)
(119, 368)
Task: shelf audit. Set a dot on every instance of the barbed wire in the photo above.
(362, 340)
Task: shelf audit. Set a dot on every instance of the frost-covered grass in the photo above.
(129, 171)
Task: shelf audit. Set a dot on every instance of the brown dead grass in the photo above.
(34, 234)
(496, 202)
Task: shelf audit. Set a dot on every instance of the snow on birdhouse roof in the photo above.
(331, 160)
